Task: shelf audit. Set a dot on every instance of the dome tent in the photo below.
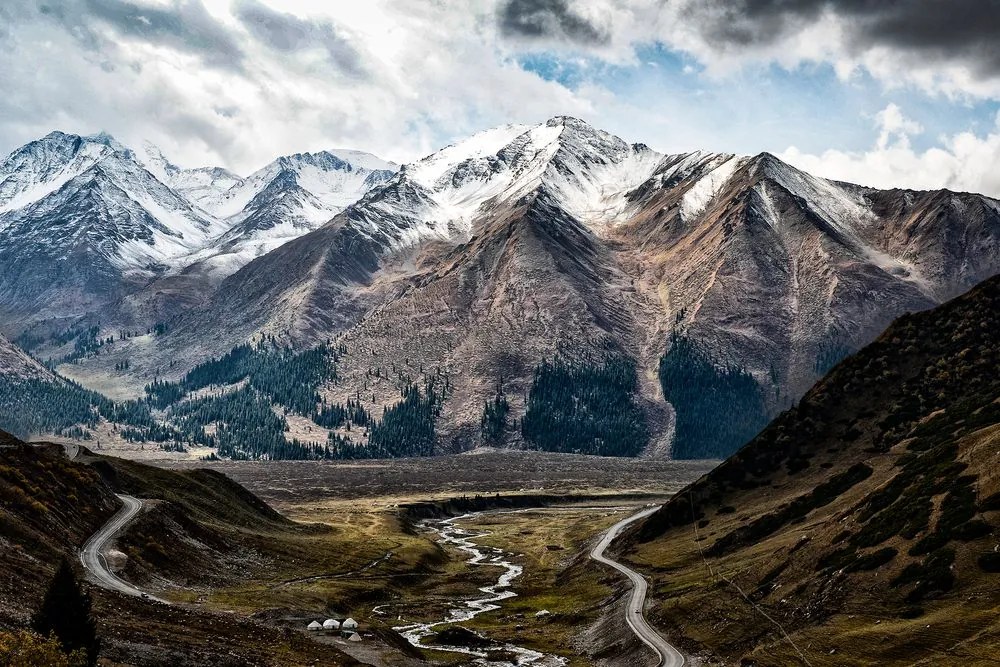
(315, 625)
(349, 624)
(331, 624)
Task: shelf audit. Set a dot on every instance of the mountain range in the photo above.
(86, 221)
(473, 266)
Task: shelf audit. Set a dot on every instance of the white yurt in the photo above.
(314, 626)
(349, 624)
(331, 624)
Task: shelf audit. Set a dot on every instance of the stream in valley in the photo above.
(493, 655)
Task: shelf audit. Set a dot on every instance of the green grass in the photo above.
(562, 581)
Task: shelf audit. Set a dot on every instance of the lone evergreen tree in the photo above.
(65, 612)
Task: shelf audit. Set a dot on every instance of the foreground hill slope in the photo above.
(199, 528)
(861, 526)
(47, 504)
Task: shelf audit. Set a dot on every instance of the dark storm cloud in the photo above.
(184, 25)
(965, 30)
(289, 33)
(543, 19)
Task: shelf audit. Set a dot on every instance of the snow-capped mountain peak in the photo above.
(153, 159)
(288, 197)
(44, 165)
(362, 160)
(593, 171)
(335, 178)
(117, 209)
(586, 171)
(429, 171)
(106, 139)
(82, 217)
(199, 185)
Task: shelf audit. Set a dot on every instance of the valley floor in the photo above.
(299, 486)
(375, 560)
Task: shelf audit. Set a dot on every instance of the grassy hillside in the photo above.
(860, 527)
(200, 528)
(46, 504)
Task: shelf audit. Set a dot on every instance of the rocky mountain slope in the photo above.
(861, 526)
(523, 243)
(501, 250)
(15, 364)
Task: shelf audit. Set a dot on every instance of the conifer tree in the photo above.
(585, 407)
(65, 612)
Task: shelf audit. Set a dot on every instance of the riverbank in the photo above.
(491, 653)
(566, 606)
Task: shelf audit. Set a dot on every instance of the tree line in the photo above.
(31, 406)
(585, 408)
(718, 407)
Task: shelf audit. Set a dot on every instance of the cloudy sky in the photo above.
(902, 92)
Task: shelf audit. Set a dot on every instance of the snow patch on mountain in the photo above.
(842, 208)
(156, 163)
(510, 172)
(844, 211)
(363, 160)
(225, 260)
(588, 172)
(598, 192)
(337, 183)
(429, 171)
(200, 185)
(700, 195)
(439, 196)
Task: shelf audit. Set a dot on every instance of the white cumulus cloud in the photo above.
(964, 161)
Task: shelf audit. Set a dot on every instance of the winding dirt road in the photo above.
(92, 554)
(669, 656)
